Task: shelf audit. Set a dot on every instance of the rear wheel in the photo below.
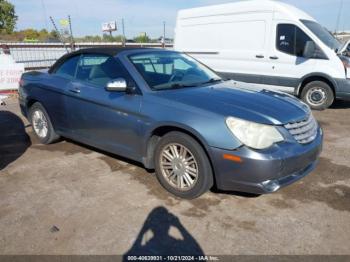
(318, 95)
(41, 124)
(182, 166)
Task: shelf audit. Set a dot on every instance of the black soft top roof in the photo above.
(112, 51)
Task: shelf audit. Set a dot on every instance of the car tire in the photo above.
(41, 124)
(318, 95)
(180, 160)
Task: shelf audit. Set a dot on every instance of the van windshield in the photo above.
(323, 34)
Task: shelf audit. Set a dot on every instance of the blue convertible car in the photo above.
(175, 115)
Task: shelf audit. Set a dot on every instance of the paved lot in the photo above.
(67, 198)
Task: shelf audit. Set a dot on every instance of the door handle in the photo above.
(274, 57)
(75, 90)
(259, 56)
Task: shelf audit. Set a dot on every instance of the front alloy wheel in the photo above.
(182, 165)
(179, 167)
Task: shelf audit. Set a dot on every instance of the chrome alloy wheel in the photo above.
(179, 167)
(316, 96)
(40, 124)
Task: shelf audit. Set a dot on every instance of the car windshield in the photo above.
(323, 34)
(170, 70)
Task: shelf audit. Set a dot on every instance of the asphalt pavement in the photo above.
(67, 198)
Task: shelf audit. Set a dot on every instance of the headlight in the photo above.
(252, 134)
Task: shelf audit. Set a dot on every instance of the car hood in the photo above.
(252, 104)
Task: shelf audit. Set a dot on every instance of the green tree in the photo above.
(8, 17)
(143, 38)
(54, 35)
(43, 35)
(109, 38)
(31, 33)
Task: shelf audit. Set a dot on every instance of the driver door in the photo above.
(105, 119)
(287, 64)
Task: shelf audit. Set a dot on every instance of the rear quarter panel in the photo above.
(48, 90)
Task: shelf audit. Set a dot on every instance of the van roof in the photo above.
(290, 11)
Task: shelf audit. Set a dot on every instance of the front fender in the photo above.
(176, 126)
(316, 75)
(209, 128)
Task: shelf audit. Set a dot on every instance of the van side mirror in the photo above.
(117, 85)
(347, 50)
(309, 49)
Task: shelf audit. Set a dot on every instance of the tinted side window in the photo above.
(68, 68)
(89, 67)
(286, 38)
(301, 39)
(291, 39)
(99, 69)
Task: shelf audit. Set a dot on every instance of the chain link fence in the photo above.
(43, 55)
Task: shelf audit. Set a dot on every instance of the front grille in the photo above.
(303, 131)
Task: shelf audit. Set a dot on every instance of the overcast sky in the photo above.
(146, 15)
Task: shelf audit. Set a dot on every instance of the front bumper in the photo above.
(343, 89)
(266, 171)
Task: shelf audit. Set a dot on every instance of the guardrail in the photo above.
(43, 55)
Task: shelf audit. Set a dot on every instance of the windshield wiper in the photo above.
(183, 85)
(178, 85)
(212, 80)
(175, 86)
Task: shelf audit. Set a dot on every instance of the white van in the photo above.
(269, 43)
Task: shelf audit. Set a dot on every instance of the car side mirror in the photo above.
(117, 85)
(309, 49)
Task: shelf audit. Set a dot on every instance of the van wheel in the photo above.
(318, 95)
(182, 166)
(41, 124)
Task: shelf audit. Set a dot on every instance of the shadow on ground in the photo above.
(215, 190)
(327, 185)
(163, 234)
(340, 104)
(14, 141)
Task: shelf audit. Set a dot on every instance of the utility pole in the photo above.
(45, 14)
(339, 15)
(123, 30)
(72, 46)
(164, 34)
